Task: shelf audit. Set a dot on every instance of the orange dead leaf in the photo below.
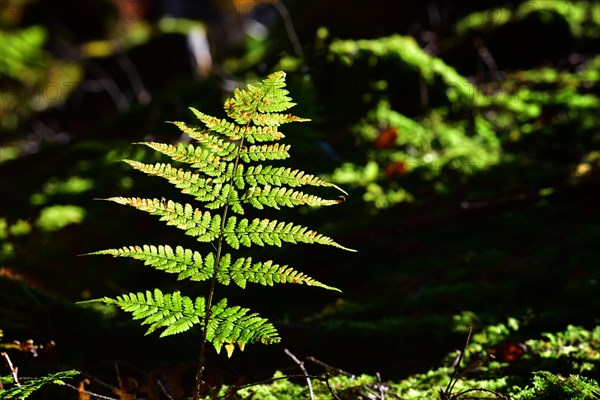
(386, 138)
(123, 395)
(396, 169)
(126, 390)
(509, 351)
(82, 393)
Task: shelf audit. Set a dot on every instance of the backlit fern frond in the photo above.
(204, 226)
(172, 311)
(217, 145)
(265, 152)
(9, 389)
(226, 168)
(189, 264)
(271, 232)
(177, 313)
(213, 191)
(266, 97)
(274, 119)
(203, 189)
(278, 176)
(217, 194)
(233, 326)
(184, 262)
(200, 158)
(276, 197)
(243, 270)
(235, 132)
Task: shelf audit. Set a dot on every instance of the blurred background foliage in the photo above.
(467, 134)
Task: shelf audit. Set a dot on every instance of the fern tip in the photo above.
(341, 190)
(104, 300)
(347, 249)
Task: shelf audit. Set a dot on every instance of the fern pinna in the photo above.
(227, 169)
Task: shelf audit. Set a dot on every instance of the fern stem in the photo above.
(213, 281)
(209, 301)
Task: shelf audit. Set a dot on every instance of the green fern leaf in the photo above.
(271, 232)
(27, 387)
(275, 151)
(228, 195)
(209, 190)
(203, 189)
(188, 264)
(234, 326)
(274, 119)
(199, 158)
(267, 96)
(276, 197)
(251, 134)
(217, 145)
(278, 176)
(201, 225)
(243, 270)
(174, 312)
(206, 227)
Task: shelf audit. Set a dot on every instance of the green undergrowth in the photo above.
(557, 365)
(479, 373)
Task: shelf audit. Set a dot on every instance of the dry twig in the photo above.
(12, 368)
(301, 365)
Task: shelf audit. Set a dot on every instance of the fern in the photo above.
(14, 387)
(10, 390)
(225, 175)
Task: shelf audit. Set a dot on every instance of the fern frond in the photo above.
(200, 158)
(227, 195)
(225, 171)
(206, 227)
(216, 149)
(216, 144)
(203, 189)
(235, 132)
(274, 119)
(215, 194)
(267, 96)
(265, 152)
(188, 264)
(231, 326)
(27, 387)
(275, 197)
(271, 232)
(278, 176)
(201, 225)
(174, 312)
(266, 273)
(212, 191)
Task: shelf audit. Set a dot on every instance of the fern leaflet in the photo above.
(189, 264)
(177, 313)
(207, 227)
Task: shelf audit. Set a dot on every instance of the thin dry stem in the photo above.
(301, 365)
(13, 370)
